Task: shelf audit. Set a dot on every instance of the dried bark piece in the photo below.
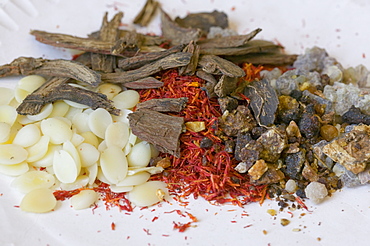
(146, 13)
(351, 149)
(164, 104)
(132, 41)
(108, 32)
(192, 66)
(253, 46)
(264, 58)
(59, 68)
(144, 83)
(217, 65)
(263, 100)
(78, 43)
(176, 34)
(148, 40)
(55, 89)
(228, 41)
(204, 21)
(160, 129)
(141, 60)
(175, 60)
(225, 86)
(210, 82)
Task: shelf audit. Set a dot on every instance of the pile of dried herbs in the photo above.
(236, 119)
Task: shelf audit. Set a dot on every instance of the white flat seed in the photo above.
(90, 138)
(92, 172)
(113, 164)
(5, 129)
(139, 155)
(24, 120)
(84, 199)
(98, 122)
(132, 139)
(47, 159)
(80, 122)
(45, 112)
(120, 189)
(150, 170)
(14, 170)
(75, 105)
(123, 116)
(30, 83)
(38, 201)
(6, 95)
(60, 108)
(8, 114)
(101, 177)
(136, 179)
(11, 154)
(102, 146)
(148, 194)
(126, 99)
(20, 94)
(38, 150)
(109, 89)
(81, 181)
(71, 149)
(88, 153)
(117, 134)
(127, 149)
(77, 139)
(72, 111)
(33, 180)
(65, 167)
(28, 135)
(57, 130)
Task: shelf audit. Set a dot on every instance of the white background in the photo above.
(341, 27)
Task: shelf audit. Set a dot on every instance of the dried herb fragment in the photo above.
(176, 34)
(146, 13)
(59, 68)
(263, 58)
(263, 101)
(253, 46)
(144, 83)
(141, 60)
(237, 121)
(204, 21)
(159, 129)
(192, 66)
(174, 60)
(228, 41)
(217, 65)
(108, 32)
(131, 41)
(225, 86)
(55, 89)
(164, 104)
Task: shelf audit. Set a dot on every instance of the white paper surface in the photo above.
(341, 27)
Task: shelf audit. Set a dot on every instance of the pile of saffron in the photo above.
(201, 172)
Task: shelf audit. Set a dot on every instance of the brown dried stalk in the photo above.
(58, 68)
(145, 83)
